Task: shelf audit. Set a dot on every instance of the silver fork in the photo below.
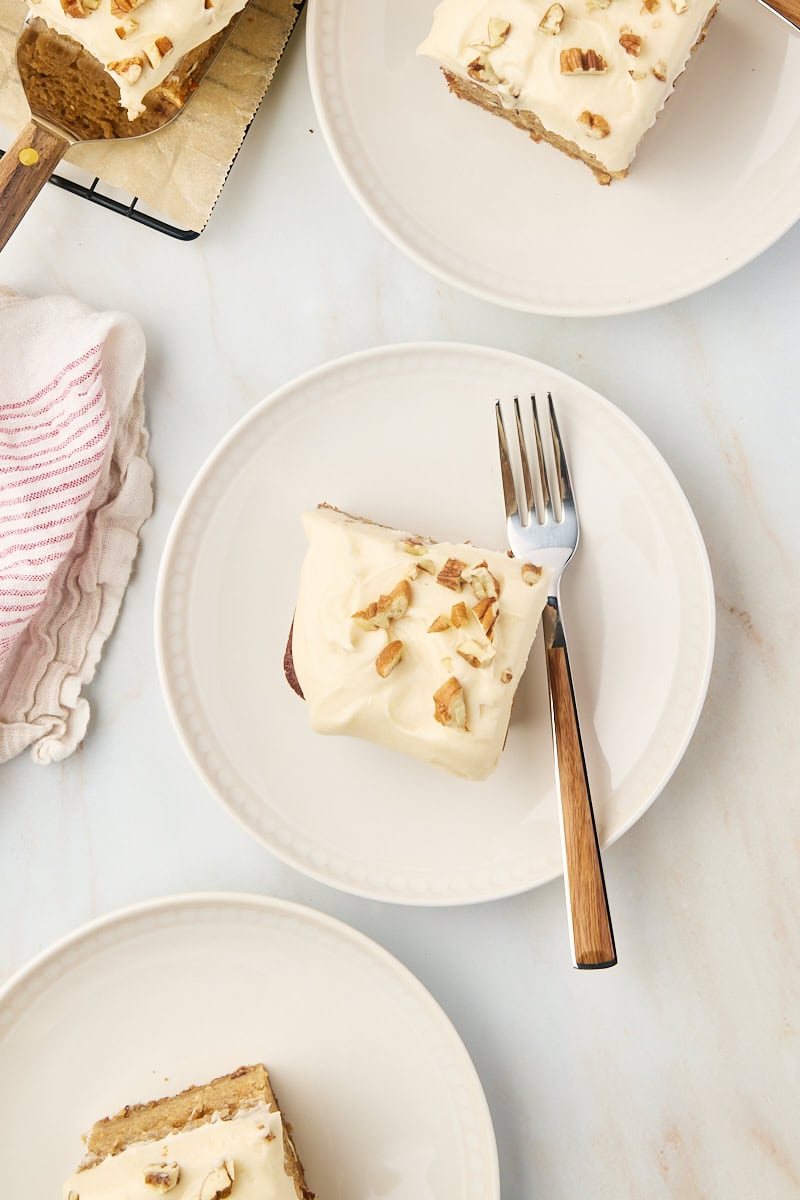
(551, 542)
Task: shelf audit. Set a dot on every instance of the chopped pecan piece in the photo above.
(477, 654)
(450, 574)
(449, 706)
(486, 614)
(481, 580)
(163, 1176)
(128, 68)
(553, 19)
(380, 612)
(531, 574)
(459, 615)
(498, 31)
(388, 658)
(582, 62)
(482, 71)
(596, 126)
(631, 42)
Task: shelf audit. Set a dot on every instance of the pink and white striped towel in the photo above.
(75, 488)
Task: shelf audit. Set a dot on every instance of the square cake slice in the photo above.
(91, 56)
(414, 644)
(588, 76)
(224, 1138)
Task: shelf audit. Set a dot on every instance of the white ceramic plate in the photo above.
(473, 200)
(382, 1095)
(406, 435)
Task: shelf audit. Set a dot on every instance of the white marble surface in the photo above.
(675, 1074)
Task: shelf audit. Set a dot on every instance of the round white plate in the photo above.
(472, 199)
(381, 1093)
(406, 435)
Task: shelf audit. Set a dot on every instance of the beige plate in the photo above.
(352, 814)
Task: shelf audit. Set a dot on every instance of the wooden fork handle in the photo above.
(24, 170)
(587, 905)
(788, 9)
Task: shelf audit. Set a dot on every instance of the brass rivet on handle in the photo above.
(29, 157)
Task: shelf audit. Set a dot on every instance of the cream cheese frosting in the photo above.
(350, 565)
(139, 42)
(639, 49)
(249, 1147)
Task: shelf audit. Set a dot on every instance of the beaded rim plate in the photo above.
(405, 435)
(472, 200)
(183, 989)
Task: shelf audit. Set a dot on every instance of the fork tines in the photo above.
(538, 500)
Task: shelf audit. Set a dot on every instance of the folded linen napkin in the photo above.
(75, 488)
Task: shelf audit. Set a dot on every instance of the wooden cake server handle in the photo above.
(24, 170)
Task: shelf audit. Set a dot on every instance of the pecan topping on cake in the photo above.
(126, 27)
(482, 70)
(219, 1183)
(159, 50)
(582, 62)
(121, 8)
(450, 574)
(380, 612)
(631, 42)
(486, 614)
(481, 580)
(496, 33)
(449, 706)
(79, 8)
(163, 1176)
(477, 654)
(128, 68)
(596, 126)
(553, 19)
(459, 615)
(388, 658)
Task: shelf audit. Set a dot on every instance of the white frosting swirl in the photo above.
(252, 1141)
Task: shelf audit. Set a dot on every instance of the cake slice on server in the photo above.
(151, 49)
(414, 644)
(588, 76)
(224, 1138)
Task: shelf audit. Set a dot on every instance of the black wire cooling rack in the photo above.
(125, 207)
(128, 206)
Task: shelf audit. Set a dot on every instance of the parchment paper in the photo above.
(178, 171)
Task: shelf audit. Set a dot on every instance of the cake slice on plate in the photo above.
(224, 1138)
(414, 644)
(588, 76)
